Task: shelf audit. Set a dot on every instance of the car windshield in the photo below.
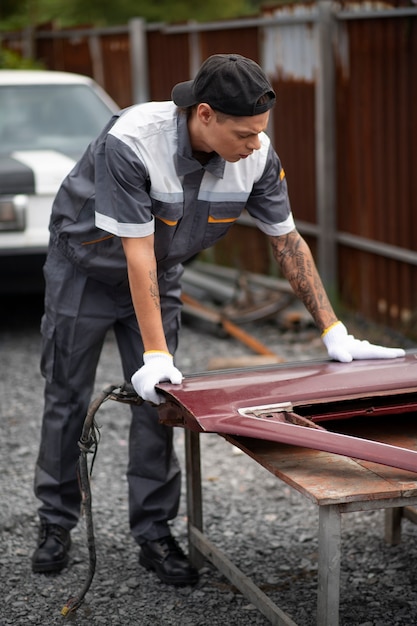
(50, 117)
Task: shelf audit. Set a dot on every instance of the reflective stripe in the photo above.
(276, 230)
(124, 230)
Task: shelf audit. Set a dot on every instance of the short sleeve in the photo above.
(268, 202)
(123, 205)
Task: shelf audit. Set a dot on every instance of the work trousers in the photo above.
(79, 311)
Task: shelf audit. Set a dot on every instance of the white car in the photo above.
(47, 119)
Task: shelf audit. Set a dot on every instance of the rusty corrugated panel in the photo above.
(169, 54)
(49, 53)
(168, 62)
(244, 41)
(290, 60)
(76, 55)
(71, 54)
(377, 157)
(295, 143)
(117, 74)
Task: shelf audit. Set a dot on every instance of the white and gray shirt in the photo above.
(139, 177)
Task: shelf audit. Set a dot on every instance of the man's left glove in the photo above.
(343, 347)
(158, 366)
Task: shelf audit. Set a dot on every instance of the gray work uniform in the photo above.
(137, 178)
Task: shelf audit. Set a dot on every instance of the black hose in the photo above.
(88, 445)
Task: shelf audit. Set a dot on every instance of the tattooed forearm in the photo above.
(294, 264)
(297, 265)
(154, 289)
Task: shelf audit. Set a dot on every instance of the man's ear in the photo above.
(205, 113)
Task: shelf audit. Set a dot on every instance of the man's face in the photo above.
(233, 138)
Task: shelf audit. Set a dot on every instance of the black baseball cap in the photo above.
(229, 83)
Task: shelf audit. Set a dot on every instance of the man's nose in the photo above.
(254, 143)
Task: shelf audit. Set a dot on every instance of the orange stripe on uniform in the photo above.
(88, 243)
(167, 222)
(225, 220)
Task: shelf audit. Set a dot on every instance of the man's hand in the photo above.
(343, 347)
(158, 366)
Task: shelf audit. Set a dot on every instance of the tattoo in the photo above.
(154, 289)
(297, 265)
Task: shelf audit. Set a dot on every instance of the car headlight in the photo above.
(13, 212)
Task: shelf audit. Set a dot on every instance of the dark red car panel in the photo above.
(291, 403)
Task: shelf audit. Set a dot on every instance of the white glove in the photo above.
(343, 347)
(158, 366)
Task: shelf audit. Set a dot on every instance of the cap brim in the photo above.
(183, 94)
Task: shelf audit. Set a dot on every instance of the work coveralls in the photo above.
(136, 178)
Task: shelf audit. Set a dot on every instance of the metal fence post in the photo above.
(326, 148)
(94, 44)
(139, 60)
(195, 48)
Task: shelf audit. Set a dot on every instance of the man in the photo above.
(163, 181)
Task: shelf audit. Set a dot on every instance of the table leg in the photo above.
(194, 493)
(329, 566)
(393, 519)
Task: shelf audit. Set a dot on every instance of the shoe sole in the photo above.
(44, 568)
(178, 581)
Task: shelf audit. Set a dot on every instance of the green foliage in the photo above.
(11, 61)
(20, 13)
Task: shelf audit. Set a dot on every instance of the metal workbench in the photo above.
(336, 484)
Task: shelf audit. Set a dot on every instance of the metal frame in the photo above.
(329, 539)
(200, 546)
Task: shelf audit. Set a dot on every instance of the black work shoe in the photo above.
(165, 557)
(51, 555)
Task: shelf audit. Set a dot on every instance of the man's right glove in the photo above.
(158, 366)
(343, 347)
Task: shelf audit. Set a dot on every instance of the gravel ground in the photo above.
(265, 527)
